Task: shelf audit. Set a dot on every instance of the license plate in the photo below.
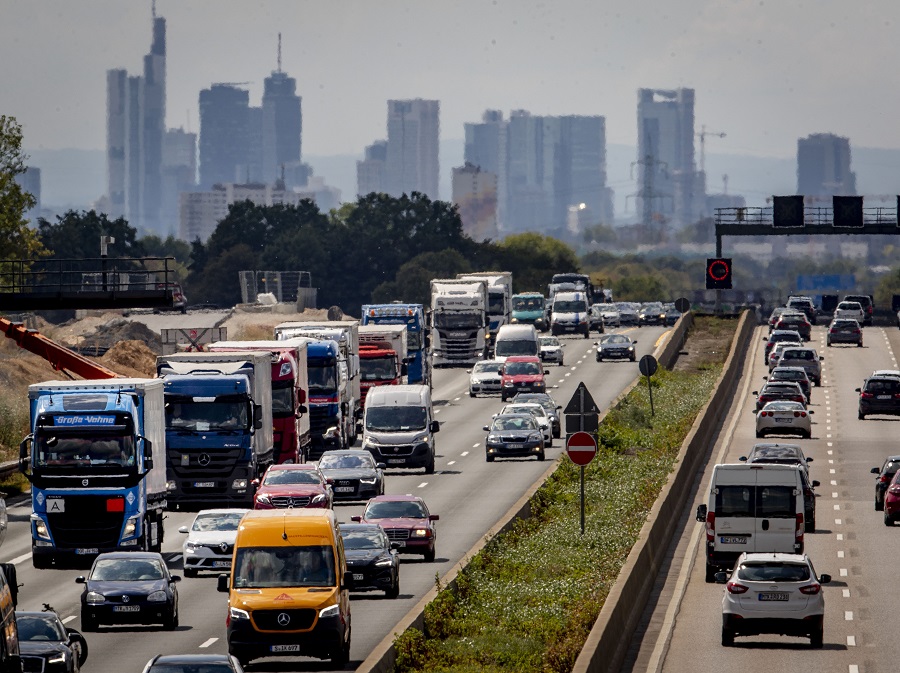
(733, 539)
(358, 577)
(284, 648)
(784, 420)
(86, 551)
(774, 596)
(56, 505)
(126, 608)
(204, 484)
(396, 461)
(221, 564)
(344, 489)
(877, 397)
(515, 446)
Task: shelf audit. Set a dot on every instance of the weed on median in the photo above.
(528, 600)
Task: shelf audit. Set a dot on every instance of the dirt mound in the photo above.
(130, 358)
(114, 331)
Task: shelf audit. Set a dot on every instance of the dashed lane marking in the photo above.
(423, 484)
(20, 559)
(207, 643)
(69, 619)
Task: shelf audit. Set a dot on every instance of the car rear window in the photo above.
(774, 571)
(882, 386)
(789, 354)
(775, 501)
(734, 501)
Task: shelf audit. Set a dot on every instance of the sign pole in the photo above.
(582, 499)
(581, 429)
(650, 390)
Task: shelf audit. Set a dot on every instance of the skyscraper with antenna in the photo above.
(282, 123)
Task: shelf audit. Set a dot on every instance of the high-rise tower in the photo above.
(282, 122)
(411, 163)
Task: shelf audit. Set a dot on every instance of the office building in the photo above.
(413, 134)
(179, 174)
(225, 135)
(370, 172)
(823, 166)
(282, 122)
(30, 181)
(475, 194)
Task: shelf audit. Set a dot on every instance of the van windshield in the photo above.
(260, 567)
(395, 419)
(507, 347)
(569, 307)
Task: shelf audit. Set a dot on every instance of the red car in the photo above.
(892, 501)
(293, 485)
(521, 374)
(406, 520)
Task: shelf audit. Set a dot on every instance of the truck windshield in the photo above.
(282, 398)
(293, 566)
(453, 320)
(507, 347)
(496, 303)
(569, 307)
(205, 416)
(377, 369)
(84, 449)
(413, 340)
(528, 303)
(395, 419)
(322, 379)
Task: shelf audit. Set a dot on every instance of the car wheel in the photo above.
(817, 637)
(879, 505)
(710, 574)
(599, 359)
(489, 459)
(859, 345)
(429, 555)
(341, 656)
(87, 623)
(471, 394)
(810, 525)
(828, 343)
(170, 623)
(394, 591)
(861, 416)
(190, 572)
(541, 455)
(888, 519)
(429, 467)
(631, 358)
(727, 637)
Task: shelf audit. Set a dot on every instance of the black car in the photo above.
(193, 663)
(372, 558)
(45, 644)
(879, 395)
(844, 331)
(513, 435)
(794, 374)
(783, 390)
(805, 305)
(548, 403)
(795, 321)
(867, 306)
(885, 475)
(129, 588)
(352, 473)
(616, 346)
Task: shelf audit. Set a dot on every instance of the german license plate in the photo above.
(358, 577)
(784, 420)
(344, 489)
(284, 648)
(882, 397)
(396, 461)
(515, 446)
(126, 608)
(204, 484)
(774, 596)
(733, 539)
(87, 550)
(221, 564)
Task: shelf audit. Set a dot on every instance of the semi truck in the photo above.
(571, 282)
(459, 321)
(95, 458)
(218, 425)
(499, 307)
(418, 369)
(290, 392)
(382, 356)
(336, 398)
(530, 308)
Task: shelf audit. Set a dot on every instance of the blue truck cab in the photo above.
(326, 412)
(95, 458)
(413, 316)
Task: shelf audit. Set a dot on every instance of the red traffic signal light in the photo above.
(718, 273)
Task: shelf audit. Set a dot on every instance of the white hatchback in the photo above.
(850, 309)
(210, 540)
(773, 593)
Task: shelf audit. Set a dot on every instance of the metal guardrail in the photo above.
(8, 469)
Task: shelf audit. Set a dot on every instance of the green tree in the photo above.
(155, 246)
(534, 258)
(17, 240)
(77, 235)
(413, 281)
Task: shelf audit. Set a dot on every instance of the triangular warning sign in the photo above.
(581, 402)
(283, 597)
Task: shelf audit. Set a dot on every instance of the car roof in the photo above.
(133, 555)
(523, 358)
(893, 373)
(293, 466)
(787, 368)
(513, 414)
(38, 613)
(774, 448)
(224, 510)
(792, 332)
(397, 498)
(360, 526)
(191, 658)
(758, 556)
(347, 452)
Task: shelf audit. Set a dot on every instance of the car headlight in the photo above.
(190, 546)
(631, 348)
(370, 482)
(94, 598)
(130, 527)
(40, 528)
(317, 498)
(534, 437)
(371, 441)
(264, 499)
(237, 614)
(508, 384)
(420, 532)
(384, 563)
(330, 611)
(157, 597)
(493, 438)
(58, 659)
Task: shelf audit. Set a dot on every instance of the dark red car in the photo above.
(293, 485)
(521, 374)
(406, 520)
(782, 390)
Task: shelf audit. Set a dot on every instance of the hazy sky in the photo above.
(766, 72)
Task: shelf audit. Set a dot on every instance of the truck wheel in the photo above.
(40, 562)
(710, 574)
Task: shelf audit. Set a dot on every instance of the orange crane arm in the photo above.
(60, 358)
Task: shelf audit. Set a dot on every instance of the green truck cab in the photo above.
(530, 308)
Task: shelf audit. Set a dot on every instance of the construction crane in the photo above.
(60, 358)
(702, 135)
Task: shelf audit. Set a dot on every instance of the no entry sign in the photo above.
(581, 448)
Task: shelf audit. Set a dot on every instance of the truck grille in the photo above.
(459, 348)
(291, 620)
(397, 533)
(205, 462)
(319, 420)
(86, 523)
(282, 501)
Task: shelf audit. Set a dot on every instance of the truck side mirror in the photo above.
(257, 416)
(148, 462)
(302, 410)
(222, 584)
(701, 512)
(23, 454)
(403, 369)
(435, 426)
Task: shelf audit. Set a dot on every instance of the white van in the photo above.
(570, 314)
(754, 507)
(516, 340)
(399, 426)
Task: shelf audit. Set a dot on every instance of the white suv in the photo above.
(773, 593)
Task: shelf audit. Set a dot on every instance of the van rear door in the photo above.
(778, 493)
(734, 510)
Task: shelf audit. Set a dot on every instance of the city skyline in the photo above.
(767, 75)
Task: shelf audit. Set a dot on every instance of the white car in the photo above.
(484, 378)
(551, 350)
(610, 315)
(850, 309)
(775, 353)
(783, 417)
(773, 593)
(210, 540)
(538, 411)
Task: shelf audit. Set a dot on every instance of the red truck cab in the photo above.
(378, 366)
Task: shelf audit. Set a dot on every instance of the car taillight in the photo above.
(735, 588)
(811, 589)
(797, 414)
(710, 526)
(886, 478)
(798, 533)
(856, 331)
(832, 331)
(866, 396)
(802, 414)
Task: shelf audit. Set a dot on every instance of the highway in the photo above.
(851, 542)
(469, 494)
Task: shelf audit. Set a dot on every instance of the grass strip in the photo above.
(529, 598)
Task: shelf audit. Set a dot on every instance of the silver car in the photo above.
(610, 315)
(782, 417)
(210, 540)
(552, 350)
(484, 378)
(808, 358)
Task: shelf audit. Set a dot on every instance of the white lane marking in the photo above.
(19, 559)
(475, 446)
(423, 484)
(464, 454)
(830, 443)
(830, 453)
(843, 572)
(851, 641)
(451, 463)
(834, 482)
(853, 668)
(69, 619)
(840, 554)
(837, 507)
(207, 643)
(840, 536)
(457, 399)
(568, 373)
(848, 615)
(837, 522)
(846, 593)
(831, 471)
(437, 411)
(830, 461)
(834, 495)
